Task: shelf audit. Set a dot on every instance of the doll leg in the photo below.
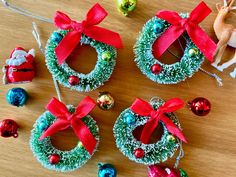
(233, 73)
(219, 55)
(228, 63)
(222, 44)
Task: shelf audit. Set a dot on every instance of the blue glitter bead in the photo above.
(157, 27)
(106, 170)
(130, 119)
(56, 37)
(43, 125)
(17, 97)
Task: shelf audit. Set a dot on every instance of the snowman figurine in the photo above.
(19, 67)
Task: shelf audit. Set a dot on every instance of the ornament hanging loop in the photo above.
(25, 12)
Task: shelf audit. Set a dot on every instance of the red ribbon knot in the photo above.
(87, 27)
(143, 108)
(179, 25)
(65, 120)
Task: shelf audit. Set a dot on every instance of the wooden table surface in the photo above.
(211, 151)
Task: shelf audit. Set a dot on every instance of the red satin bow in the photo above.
(94, 16)
(143, 108)
(65, 119)
(180, 25)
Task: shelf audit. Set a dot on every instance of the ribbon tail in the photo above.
(171, 127)
(199, 37)
(148, 129)
(57, 108)
(166, 39)
(57, 126)
(84, 135)
(105, 36)
(67, 45)
(141, 107)
(85, 107)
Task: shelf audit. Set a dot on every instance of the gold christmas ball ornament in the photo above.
(170, 138)
(193, 52)
(105, 101)
(126, 6)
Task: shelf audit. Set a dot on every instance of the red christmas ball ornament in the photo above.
(54, 159)
(200, 106)
(139, 153)
(73, 80)
(156, 171)
(156, 69)
(8, 128)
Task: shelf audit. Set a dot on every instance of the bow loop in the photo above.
(57, 109)
(172, 105)
(65, 119)
(85, 107)
(143, 108)
(179, 25)
(62, 21)
(199, 13)
(96, 15)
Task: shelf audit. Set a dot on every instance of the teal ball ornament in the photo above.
(106, 170)
(56, 37)
(130, 119)
(17, 97)
(157, 27)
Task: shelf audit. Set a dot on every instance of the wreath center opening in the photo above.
(65, 140)
(174, 53)
(83, 59)
(156, 135)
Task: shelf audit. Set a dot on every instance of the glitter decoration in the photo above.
(106, 170)
(87, 82)
(151, 153)
(17, 97)
(170, 73)
(69, 160)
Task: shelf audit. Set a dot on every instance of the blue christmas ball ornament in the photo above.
(43, 124)
(56, 37)
(157, 27)
(106, 170)
(17, 97)
(129, 119)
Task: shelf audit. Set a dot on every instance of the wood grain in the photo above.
(211, 151)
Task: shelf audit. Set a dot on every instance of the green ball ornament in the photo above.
(126, 6)
(193, 52)
(106, 56)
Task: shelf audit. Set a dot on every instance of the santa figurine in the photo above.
(19, 67)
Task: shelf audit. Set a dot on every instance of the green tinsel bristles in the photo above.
(127, 143)
(170, 73)
(87, 82)
(69, 160)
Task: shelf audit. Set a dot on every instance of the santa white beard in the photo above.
(15, 61)
(17, 58)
